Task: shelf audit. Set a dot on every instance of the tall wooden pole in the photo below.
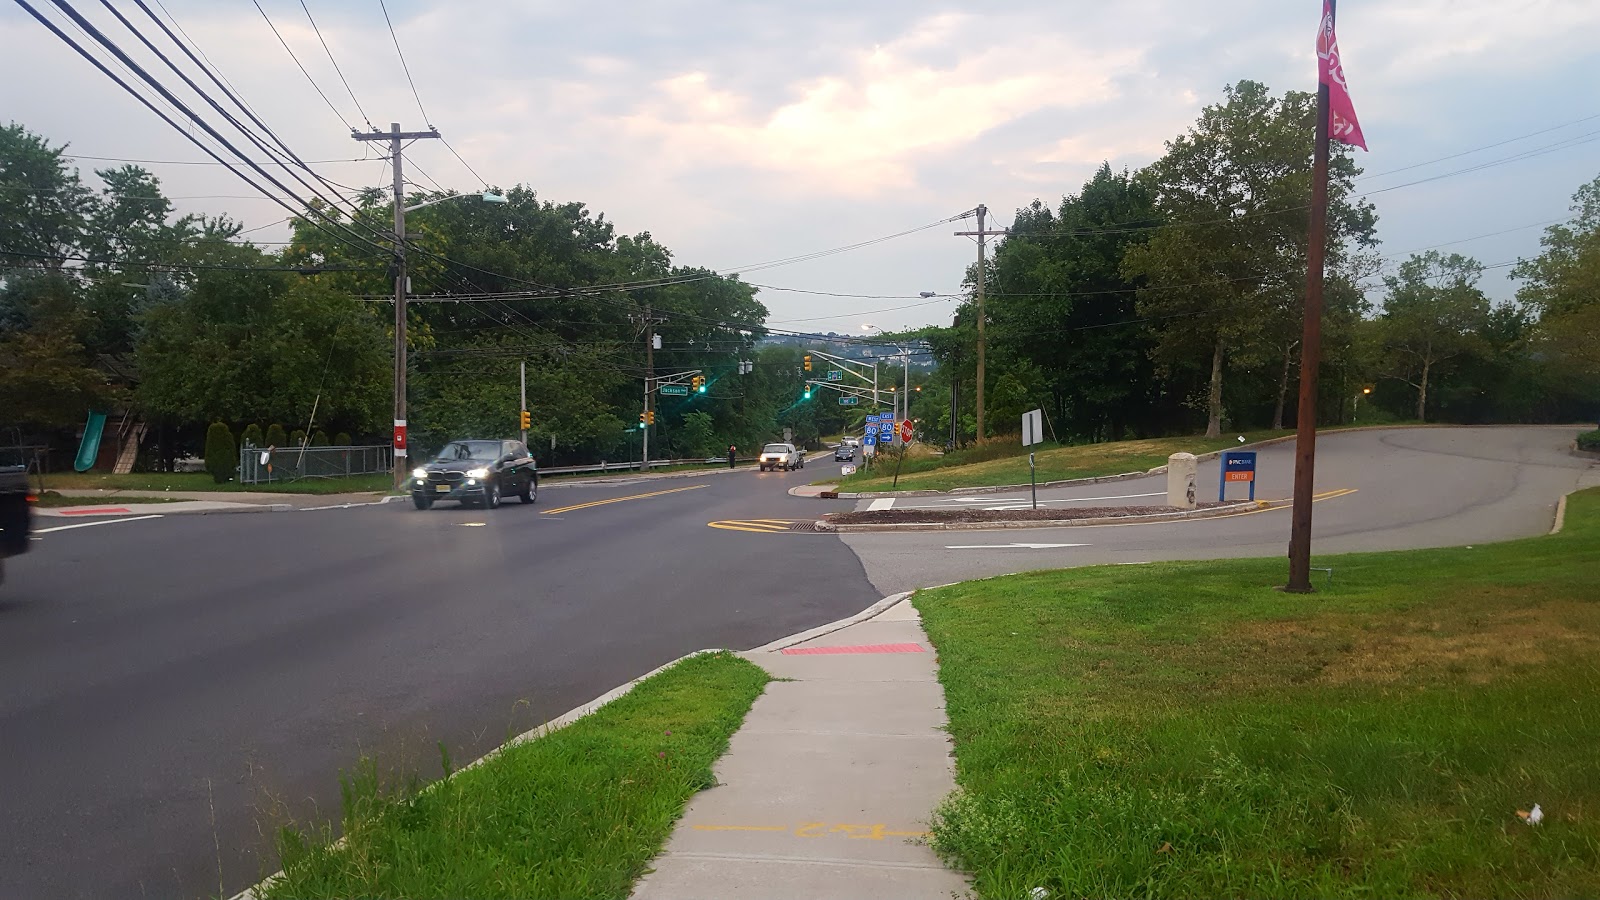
(1305, 455)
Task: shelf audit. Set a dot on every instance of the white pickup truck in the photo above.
(781, 456)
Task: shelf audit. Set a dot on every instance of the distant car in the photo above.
(781, 456)
(844, 453)
(852, 442)
(476, 473)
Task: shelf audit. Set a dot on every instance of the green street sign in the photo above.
(849, 401)
(674, 390)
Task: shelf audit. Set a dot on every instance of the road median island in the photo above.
(939, 519)
(577, 812)
(1184, 729)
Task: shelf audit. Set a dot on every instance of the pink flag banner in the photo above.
(1342, 123)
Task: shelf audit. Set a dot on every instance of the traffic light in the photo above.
(698, 382)
(808, 392)
(808, 362)
(650, 417)
(643, 419)
(526, 420)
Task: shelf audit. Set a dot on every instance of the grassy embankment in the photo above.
(1185, 730)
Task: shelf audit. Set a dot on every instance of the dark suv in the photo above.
(476, 472)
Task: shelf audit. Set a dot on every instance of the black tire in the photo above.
(421, 501)
(491, 494)
(530, 490)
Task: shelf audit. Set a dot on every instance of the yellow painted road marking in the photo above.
(575, 506)
(756, 526)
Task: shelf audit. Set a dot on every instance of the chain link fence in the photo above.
(259, 466)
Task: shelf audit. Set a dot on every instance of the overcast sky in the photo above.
(741, 132)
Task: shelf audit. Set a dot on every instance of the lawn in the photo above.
(1008, 463)
(1184, 730)
(200, 481)
(575, 814)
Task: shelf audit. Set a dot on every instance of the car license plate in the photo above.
(443, 488)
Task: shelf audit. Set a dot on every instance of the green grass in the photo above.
(1184, 730)
(999, 462)
(200, 481)
(1590, 441)
(576, 814)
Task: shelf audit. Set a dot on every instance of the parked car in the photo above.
(781, 456)
(15, 513)
(844, 453)
(476, 473)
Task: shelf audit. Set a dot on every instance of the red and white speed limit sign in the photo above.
(905, 431)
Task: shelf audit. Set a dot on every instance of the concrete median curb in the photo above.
(1230, 509)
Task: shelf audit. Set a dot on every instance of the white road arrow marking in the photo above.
(1010, 546)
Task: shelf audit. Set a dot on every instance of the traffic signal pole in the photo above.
(524, 417)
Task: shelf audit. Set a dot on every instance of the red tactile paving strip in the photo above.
(862, 648)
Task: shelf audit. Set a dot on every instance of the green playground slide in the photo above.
(89, 450)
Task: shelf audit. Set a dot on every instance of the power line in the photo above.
(202, 162)
(401, 53)
(464, 163)
(303, 71)
(1520, 137)
(338, 71)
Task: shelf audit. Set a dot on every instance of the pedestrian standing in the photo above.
(732, 451)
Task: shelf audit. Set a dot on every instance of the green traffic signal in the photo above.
(808, 393)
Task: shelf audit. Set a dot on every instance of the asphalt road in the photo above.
(1384, 490)
(171, 688)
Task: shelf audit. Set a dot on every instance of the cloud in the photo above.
(861, 130)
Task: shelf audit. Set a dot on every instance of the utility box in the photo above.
(1182, 469)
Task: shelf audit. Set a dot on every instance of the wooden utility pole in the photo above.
(1305, 448)
(981, 234)
(394, 136)
(649, 379)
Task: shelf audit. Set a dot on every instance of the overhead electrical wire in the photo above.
(338, 71)
(401, 53)
(301, 66)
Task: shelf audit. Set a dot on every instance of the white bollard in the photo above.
(1181, 469)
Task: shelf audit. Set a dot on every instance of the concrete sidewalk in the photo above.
(827, 789)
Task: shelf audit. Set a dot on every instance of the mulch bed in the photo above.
(905, 516)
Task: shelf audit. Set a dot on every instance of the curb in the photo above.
(1050, 523)
(579, 712)
(1561, 515)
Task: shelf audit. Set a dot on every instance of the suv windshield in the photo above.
(775, 448)
(487, 451)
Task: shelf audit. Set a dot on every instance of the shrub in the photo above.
(297, 437)
(277, 437)
(319, 438)
(222, 454)
(252, 436)
(342, 439)
(1589, 440)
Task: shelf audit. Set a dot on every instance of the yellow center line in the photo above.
(755, 527)
(562, 509)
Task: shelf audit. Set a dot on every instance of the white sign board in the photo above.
(847, 470)
(1032, 428)
(869, 446)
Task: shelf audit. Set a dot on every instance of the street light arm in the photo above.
(486, 196)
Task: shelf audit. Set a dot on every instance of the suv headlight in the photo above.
(477, 473)
(419, 472)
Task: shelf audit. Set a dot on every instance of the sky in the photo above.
(740, 133)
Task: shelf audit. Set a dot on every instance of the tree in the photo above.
(47, 377)
(252, 436)
(1225, 274)
(1433, 313)
(276, 436)
(222, 454)
(1562, 286)
(43, 204)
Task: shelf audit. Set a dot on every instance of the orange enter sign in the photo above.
(1241, 476)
